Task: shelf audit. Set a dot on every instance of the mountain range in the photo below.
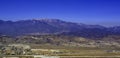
(55, 26)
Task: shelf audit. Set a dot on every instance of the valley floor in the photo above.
(43, 56)
(54, 51)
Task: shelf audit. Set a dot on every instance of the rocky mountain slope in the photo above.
(55, 26)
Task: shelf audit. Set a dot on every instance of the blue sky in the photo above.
(102, 12)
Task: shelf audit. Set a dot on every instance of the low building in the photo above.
(42, 56)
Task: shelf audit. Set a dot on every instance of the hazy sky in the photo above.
(103, 12)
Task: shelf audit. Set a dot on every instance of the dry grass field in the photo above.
(78, 51)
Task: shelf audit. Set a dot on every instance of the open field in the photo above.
(66, 51)
(42, 56)
(78, 51)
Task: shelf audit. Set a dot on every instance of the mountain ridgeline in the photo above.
(55, 26)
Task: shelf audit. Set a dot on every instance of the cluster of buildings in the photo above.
(15, 49)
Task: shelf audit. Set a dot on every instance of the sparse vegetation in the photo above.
(59, 45)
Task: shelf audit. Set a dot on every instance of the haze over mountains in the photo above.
(55, 26)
